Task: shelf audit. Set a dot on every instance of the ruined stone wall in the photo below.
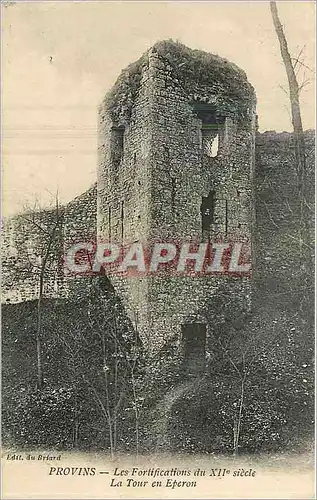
(26, 239)
(25, 242)
(279, 259)
(80, 218)
(163, 175)
(80, 226)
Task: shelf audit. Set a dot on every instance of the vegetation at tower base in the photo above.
(175, 413)
(91, 364)
(186, 68)
(274, 351)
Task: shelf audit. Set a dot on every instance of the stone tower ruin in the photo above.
(176, 161)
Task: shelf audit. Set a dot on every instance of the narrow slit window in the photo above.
(166, 154)
(117, 142)
(207, 210)
(122, 219)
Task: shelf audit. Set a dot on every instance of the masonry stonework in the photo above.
(177, 128)
(26, 238)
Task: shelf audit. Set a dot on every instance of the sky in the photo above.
(60, 58)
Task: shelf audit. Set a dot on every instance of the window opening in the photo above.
(194, 339)
(117, 141)
(212, 125)
(122, 219)
(207, 210)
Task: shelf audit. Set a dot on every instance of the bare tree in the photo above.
(244, 358)
(103, 356)
(136, 398)
(299, 139)
(42, 259)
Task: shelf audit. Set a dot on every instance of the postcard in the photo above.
(158, 249)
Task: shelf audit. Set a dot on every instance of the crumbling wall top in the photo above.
(196, 72)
